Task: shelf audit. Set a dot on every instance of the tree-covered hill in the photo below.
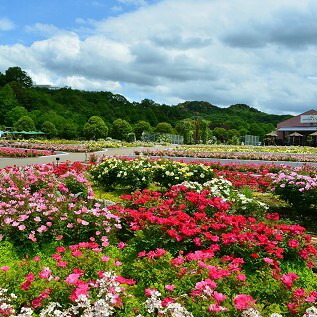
(69, 110)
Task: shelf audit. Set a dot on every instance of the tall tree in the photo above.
(95, 128)
(25, 123)
(15, 114)
(164, 127)
(140, 127)
(121, 129)
(18, 75)
(49, 129)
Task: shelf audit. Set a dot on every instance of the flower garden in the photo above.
(185, 239)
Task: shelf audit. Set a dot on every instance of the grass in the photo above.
(115, 195)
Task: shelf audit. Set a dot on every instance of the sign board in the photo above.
(308, 119)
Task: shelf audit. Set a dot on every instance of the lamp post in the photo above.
(57, 160)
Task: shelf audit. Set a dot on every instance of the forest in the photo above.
(69, 113)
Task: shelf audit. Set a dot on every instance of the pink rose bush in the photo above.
(37, 204)
(17, 152)
(298, 187)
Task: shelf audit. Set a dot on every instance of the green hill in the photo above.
(69, 109)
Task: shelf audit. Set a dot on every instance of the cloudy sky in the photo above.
(262, 53)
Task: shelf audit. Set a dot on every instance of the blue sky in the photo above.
(65, 14)
(262, 53)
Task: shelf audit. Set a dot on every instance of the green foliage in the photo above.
(25, 123)
(15, 114)
(49, 128)
(95, 128)
(69, 131)
(18, 75)
(121, 129)
(164, 127)
(140, 127)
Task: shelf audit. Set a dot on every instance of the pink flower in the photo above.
(243, 301)
(21, 227)
(219, 297)
(170, 287)
(36, 258)
(216, 308)
(60, 249)
(166, 301)
(268, 260)
(72, 278)
(82, 289)
(5, 268)
(105, 258)
(241, 277)
(148, 291)
(45, 273)
(32, 236)
(293, 244)
(288, 279)
(121, 245)
(77, 253)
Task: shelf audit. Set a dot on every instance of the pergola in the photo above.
(271, 137)
(314, 136)
(296, 138)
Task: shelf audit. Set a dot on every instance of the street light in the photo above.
(57, 160)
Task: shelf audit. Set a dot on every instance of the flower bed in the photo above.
(193, 250)
(139, 173)
(72, 145)
(231, 155)
(249, 149)
(14, 152)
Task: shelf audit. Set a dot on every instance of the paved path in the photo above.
(129, 151)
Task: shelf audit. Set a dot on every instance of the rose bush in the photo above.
(297, 188)
(195, 249)
(16, 153)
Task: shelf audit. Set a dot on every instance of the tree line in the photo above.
(69, 113)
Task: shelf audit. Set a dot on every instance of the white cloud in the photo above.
(6, 24)
(43, 29)
(224, 52)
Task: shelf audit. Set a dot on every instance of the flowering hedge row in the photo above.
(14, 152)
(231, 155)
(72, 145)
(139, 173)
(247, 148)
